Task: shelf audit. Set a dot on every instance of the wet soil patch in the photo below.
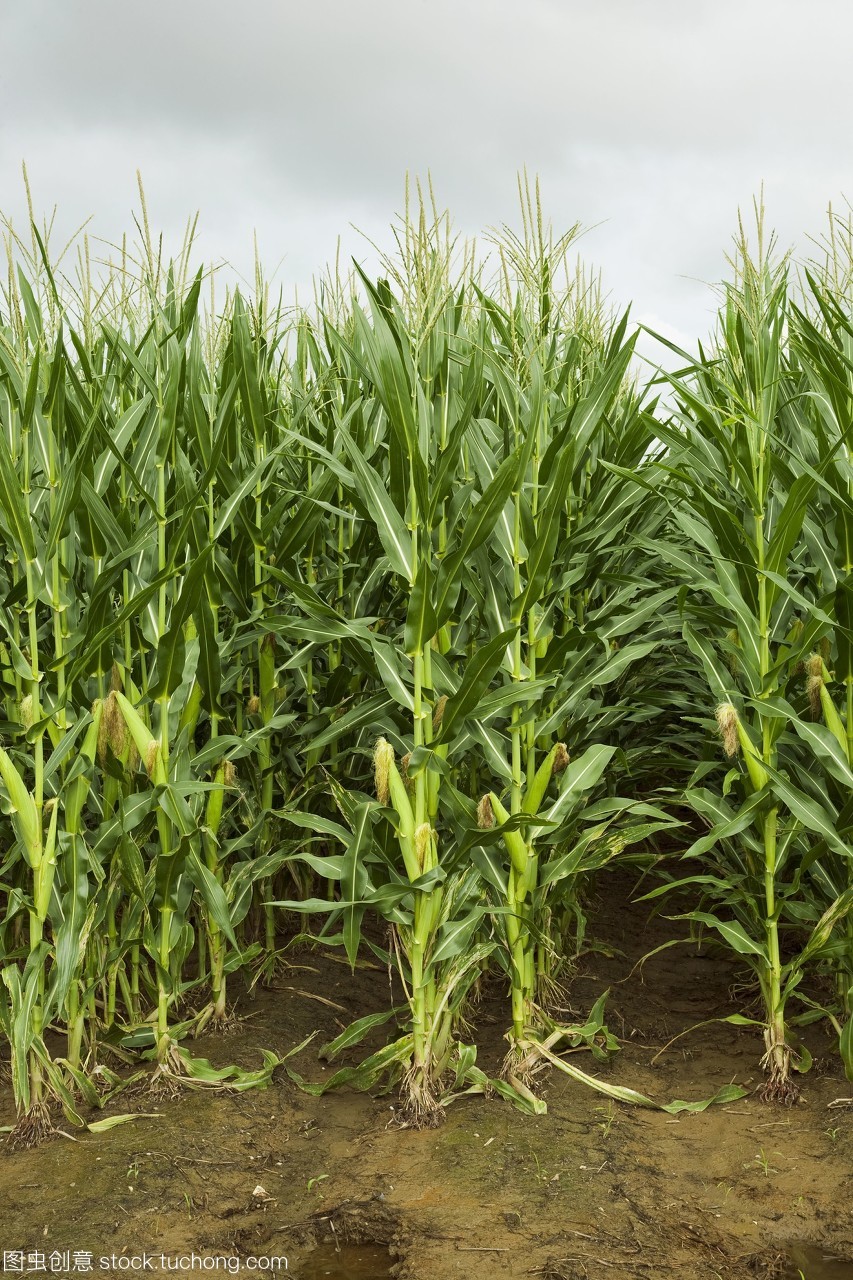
(815, 1263)
(591, 1190)
(347, 1262)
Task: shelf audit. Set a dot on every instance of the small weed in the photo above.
(609, 1119)
(763, 1162)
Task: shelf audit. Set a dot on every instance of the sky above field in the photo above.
(648, 121)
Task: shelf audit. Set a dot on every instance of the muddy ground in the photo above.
(592, 1189)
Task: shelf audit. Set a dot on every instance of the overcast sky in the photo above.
(654, 119)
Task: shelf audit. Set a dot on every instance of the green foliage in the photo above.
(414, 609)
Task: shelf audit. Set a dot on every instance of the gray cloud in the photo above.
(655, 119)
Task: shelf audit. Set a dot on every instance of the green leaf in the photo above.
(719, 679)
(845, 1045)
(733, 933)
(389, 667)
(247, 363)
(816, 817)
(825, 746)
(390, 527)
(13, 504)
(354, 879)
(356, 1032)
(110, 1122)
(170, 649)
(476, 678)
(844, 630)
(540, 565)
(580, 776)
(213, 895)
(728, 1093)
(455, 936)
(421, 623)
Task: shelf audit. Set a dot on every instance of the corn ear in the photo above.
(216, 799)
(75, 796)
(47, 866)
(514, 841)
(554, 763)
(406, 821)
(758, 775)
(832, 718)
(144, 741)
(25, 815)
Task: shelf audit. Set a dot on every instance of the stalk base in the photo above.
(779, 1087)
(33, 1128)
(520, 1065)
(168, 1076)
(213, 1022)
(780, 1090)
(421, 1109)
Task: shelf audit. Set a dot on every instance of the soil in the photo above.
(592, 1189)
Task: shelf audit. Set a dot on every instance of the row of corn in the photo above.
(415, 610)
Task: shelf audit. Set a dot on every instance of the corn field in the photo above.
(392, 626)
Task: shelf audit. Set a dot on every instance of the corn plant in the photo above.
(557, 577)
(740, 455)
(361, 613)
